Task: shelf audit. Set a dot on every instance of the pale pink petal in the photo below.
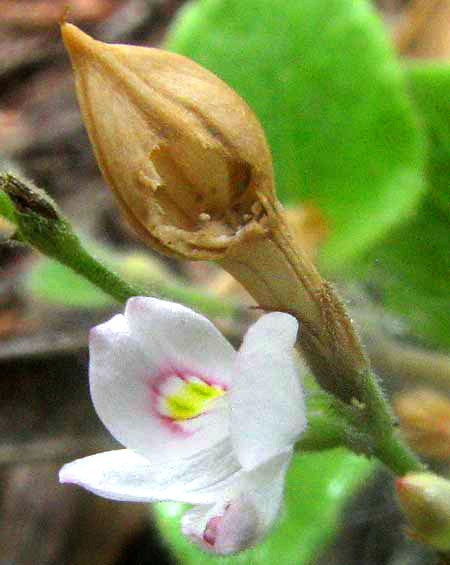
(243, 516)
(125, 475)
(182, 336)
(125, 382)
(267, 401)
(264, 487)
(222, 528)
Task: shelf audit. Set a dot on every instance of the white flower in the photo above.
(202, 423)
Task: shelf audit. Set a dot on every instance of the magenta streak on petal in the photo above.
(210, 533)
(155, 384)
(155, 394)
(186, 373)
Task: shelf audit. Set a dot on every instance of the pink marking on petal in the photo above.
(173, 426)
(210, 533)
(211, 382)
(155, 384)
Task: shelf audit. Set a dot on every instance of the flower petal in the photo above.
(176, 334)
(264, 486)
(267, 401)
(125, 475)
(122, 380)
(222, 528)
(237, 523)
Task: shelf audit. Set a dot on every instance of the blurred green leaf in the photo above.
(52, 283)
(329, 92)
(429, 86)
(410, 267)
(317, 486)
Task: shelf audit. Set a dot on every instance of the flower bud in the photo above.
(425, 499)
(182, 152)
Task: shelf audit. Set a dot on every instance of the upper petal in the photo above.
(125, 475)
(173, 332)
(132, 382)
(238, 522)
(267, 401)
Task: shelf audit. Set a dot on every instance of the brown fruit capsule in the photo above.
(182, 152)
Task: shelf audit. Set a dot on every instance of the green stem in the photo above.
(376, 408)
(97, 273)
(388, 446)
(332, 423)
(76, 257)
(326, 431)
(392, 451)
(84, 264)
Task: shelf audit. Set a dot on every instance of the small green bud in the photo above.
(27, 198)
(39, 220)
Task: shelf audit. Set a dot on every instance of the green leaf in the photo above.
(329, 92)
(317, 486)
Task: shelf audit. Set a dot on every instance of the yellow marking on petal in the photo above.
(191, 399)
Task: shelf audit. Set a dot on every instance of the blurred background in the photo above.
(354, 99)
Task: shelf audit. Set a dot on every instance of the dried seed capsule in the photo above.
(174, 143)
